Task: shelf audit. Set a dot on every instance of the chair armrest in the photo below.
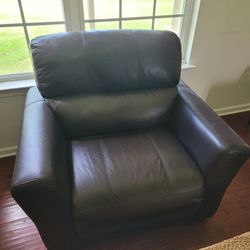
(214, 146)
(40, 183)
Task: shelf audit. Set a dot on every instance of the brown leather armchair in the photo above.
(112, 139)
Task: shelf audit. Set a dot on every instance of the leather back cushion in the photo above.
(105, 61)
(90, 115)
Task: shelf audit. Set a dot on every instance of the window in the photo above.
(137, 14)
(22, 20)
(131, 14)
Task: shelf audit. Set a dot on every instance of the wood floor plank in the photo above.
(6, 200)
(17, 232)
(11, 213)
(20, 234)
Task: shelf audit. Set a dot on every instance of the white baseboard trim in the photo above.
(8, 151)
(233, 109)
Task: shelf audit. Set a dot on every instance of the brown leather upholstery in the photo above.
(105, 61)
(82, 115)
(130, 175)
(118, 142)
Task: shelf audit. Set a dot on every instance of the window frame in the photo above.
(74, 21)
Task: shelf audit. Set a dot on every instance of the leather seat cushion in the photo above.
(135, 174)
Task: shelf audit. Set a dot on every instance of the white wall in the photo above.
(221, 54)
(11, 111)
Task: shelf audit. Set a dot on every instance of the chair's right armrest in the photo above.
(218, 151)
(41, 179)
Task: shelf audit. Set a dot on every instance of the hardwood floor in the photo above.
(17, 232)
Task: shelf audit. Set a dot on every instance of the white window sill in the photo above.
(187, 67)
(25, 84)
(14, 85)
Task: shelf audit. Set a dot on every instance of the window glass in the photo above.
(42, 10)
(14, 52)
(101, 25)
(35, 31)
(136, 8)
(137, 24)
(99, 9)
(9, 12)
(169, 7)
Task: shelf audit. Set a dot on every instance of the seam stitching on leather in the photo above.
(27, 105)
(86, 55)
(140, 72)
(160, 155)
(105, 169)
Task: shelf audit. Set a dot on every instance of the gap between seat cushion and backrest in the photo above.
(108, 81)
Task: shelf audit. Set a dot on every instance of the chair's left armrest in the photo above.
(41, 179)
(215, 147)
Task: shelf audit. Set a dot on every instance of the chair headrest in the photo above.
(105, 61)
